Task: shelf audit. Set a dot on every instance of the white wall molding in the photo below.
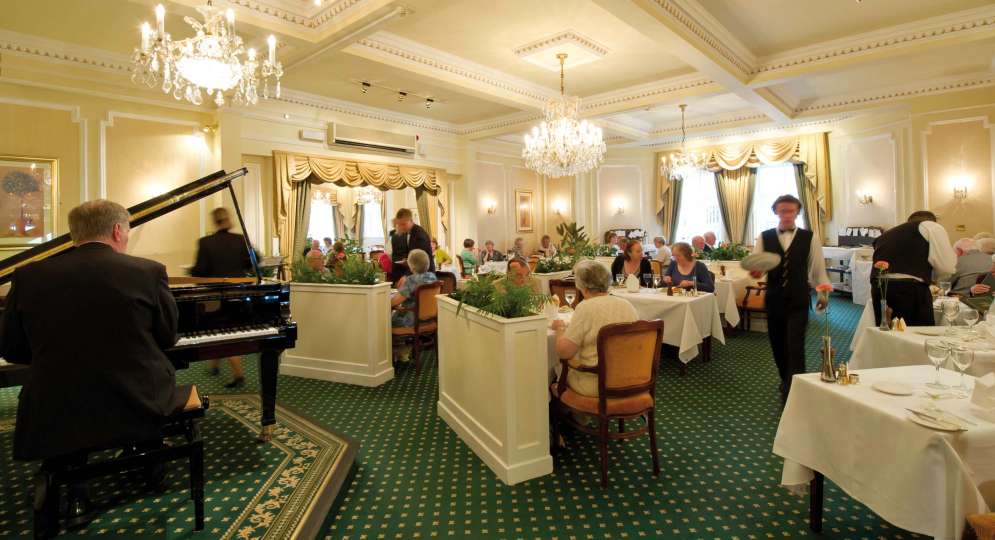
(849, 192)
(923, 141)
(372, 113)
(109, 122)
(884, 95)
(709, 32)
(61, 51)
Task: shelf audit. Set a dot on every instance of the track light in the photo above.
(401, 96)
(365, 86)
(429, 102)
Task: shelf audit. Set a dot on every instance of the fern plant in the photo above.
(573, 239)
(351, 246)
(353, 270)
(509, 300)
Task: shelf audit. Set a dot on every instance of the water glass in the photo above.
(951, 308)
(570, 295)
(619, 279)
(647, 278)
(656, 281)
(971, 317)
(937, 351)
(963, 357)
(944, 287)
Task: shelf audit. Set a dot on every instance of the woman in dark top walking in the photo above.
(631, 261)
(684, 269)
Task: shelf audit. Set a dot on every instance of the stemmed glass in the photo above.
(937, 351)
(619, 279)
(656, 281)
(647, 278)
(950, 310)
(963, 357)
(570, 295)
(971, 317)
(944, 287)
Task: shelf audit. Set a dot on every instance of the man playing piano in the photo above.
(92, 324)
(219, 255)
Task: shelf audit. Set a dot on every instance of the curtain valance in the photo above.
(351, 173)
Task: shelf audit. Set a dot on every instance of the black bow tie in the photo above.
(782, 231)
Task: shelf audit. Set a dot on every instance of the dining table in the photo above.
(921, 463)
(879, 349)
(688, 321)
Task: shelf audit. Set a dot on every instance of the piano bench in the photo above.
(50, 479)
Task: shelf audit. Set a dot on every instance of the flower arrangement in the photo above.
(352, 270)
(728, 251)
(351, 246)
(556, 263)
(509, 300)
(882, 271)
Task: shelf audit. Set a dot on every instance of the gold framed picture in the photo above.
(524, 211)
(27, 200)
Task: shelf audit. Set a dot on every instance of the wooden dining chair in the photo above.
(980, 527)
(426, 325)
(459, 264)
(559, 288)
(657, 267)
(753, 304)
(448, 280)
(627, 371)
(533, 261)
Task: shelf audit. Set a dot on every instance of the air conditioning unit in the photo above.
(371, 139)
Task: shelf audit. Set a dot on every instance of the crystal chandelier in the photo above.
(367, 194)
(210, 62)
(560, 145)
(680, 161)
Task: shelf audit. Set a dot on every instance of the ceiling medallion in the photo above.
(561, 145)
(210, 62)
(678, 163)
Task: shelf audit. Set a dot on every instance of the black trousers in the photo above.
(908, 299)
(786, 330)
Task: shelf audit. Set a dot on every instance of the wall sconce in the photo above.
(491, 206)
(960, 184)
(864, 198)
(558, 207)
(619, 206)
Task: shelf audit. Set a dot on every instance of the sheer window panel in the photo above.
(699, 209)
(373, 233)
(322, 221)
(772, 182)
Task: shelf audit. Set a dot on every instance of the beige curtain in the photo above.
(735, 193)
(425, 207)
(292, 209)
(442, 200)
(665, 199)
(813, 154)
(357, 173)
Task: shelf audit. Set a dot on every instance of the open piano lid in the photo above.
(141, 213)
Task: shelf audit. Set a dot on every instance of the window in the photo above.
(772, 182)
(322, 222)
(373, 233)
(699, 209)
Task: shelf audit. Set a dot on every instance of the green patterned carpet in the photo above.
(416, 479)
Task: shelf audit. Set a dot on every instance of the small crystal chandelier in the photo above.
(210, 62)
(560, 145)
(367, 194)
(678, 162)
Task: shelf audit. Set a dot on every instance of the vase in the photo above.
(885, 318)
(828, 370)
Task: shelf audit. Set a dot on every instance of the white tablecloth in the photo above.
(687, 320)
(860, 273)
(919, 479)
(836, 254)
(727, 292)
(498, 267)
(867, 321)
(879, 349)
(544, 279)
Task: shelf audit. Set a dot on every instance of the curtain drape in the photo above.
(674, 201)
(751, 189)
(357, 173)
(808, 198)
(293, 209)
(442, 200)
(360, 209)
(424, 213)
(735, 190)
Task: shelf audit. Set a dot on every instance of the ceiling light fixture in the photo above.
(364, 86)
(561, 145)
(677, 163)
(429, 102)
(208, 63)
(401, 96)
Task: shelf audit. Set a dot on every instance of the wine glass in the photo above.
(570, 295)
(619, 279)
(647, 278)
(937, 350)
(944, 287)
(656, 281)
(950, 310)
(971, 317)
(963, 357)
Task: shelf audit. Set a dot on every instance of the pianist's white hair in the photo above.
(592, 276)
(418, 261)
(95, 220)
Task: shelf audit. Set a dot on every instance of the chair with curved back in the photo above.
(628, 356)
(752, 304)
(533, 261)
(426, 312)
(448, 280)
(559, 287)
(657, 267)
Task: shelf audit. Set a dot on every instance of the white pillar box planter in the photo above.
(544, 279)
(343, 333)
(493, 388)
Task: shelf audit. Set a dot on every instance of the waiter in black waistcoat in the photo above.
(917, 252)
(407, 236)
(219, 255)
(787, 297)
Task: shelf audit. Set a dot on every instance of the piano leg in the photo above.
(269, 367)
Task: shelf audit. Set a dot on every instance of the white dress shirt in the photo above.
(941, 257)
(816, 261)
(663, 255)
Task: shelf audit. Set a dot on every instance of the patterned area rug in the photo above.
(280, 490)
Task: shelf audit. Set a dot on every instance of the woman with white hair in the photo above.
(578, 341)
(405, 295)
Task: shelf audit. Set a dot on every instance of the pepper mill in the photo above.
(670, 291)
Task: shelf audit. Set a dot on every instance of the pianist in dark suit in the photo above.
(219, 255)
(407, 236)
(92, 324)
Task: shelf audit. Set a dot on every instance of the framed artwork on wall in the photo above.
(524, 211)
(27, 200)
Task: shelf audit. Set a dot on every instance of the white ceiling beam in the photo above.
(711, 50)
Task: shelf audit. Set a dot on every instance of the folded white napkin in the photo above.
(984, 392)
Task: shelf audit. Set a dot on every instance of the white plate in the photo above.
(894, 388)
(926, 422)
(760, 262)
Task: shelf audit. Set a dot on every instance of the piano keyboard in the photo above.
(226, 334)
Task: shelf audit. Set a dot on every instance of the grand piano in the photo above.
(218, 318)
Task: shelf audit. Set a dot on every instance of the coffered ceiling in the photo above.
(489, 65)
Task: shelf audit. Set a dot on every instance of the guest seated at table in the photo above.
(517, 249)
(489, 254)
(611, 239)
(333, 261)
(987, 285)
(685, 269)
(441, 255)
(971, 262)
(662, 251)
(469, 257)
(313, 245)
(405, 296)
(578, 341)
(313, 256)
(385, 263)
(698, 243)
(546, 247)
(519, 274)
(710, 240)
(981, 235)
(632, 262)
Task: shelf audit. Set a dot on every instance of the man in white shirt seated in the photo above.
(662, 251)
(974, 257)
(917, 252)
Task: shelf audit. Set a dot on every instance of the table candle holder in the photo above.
(828, 370)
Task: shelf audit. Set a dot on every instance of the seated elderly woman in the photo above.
(405, 296)
(578, 341)
(333, 261)
(632, 262)
(684, 270)
(518, 273)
